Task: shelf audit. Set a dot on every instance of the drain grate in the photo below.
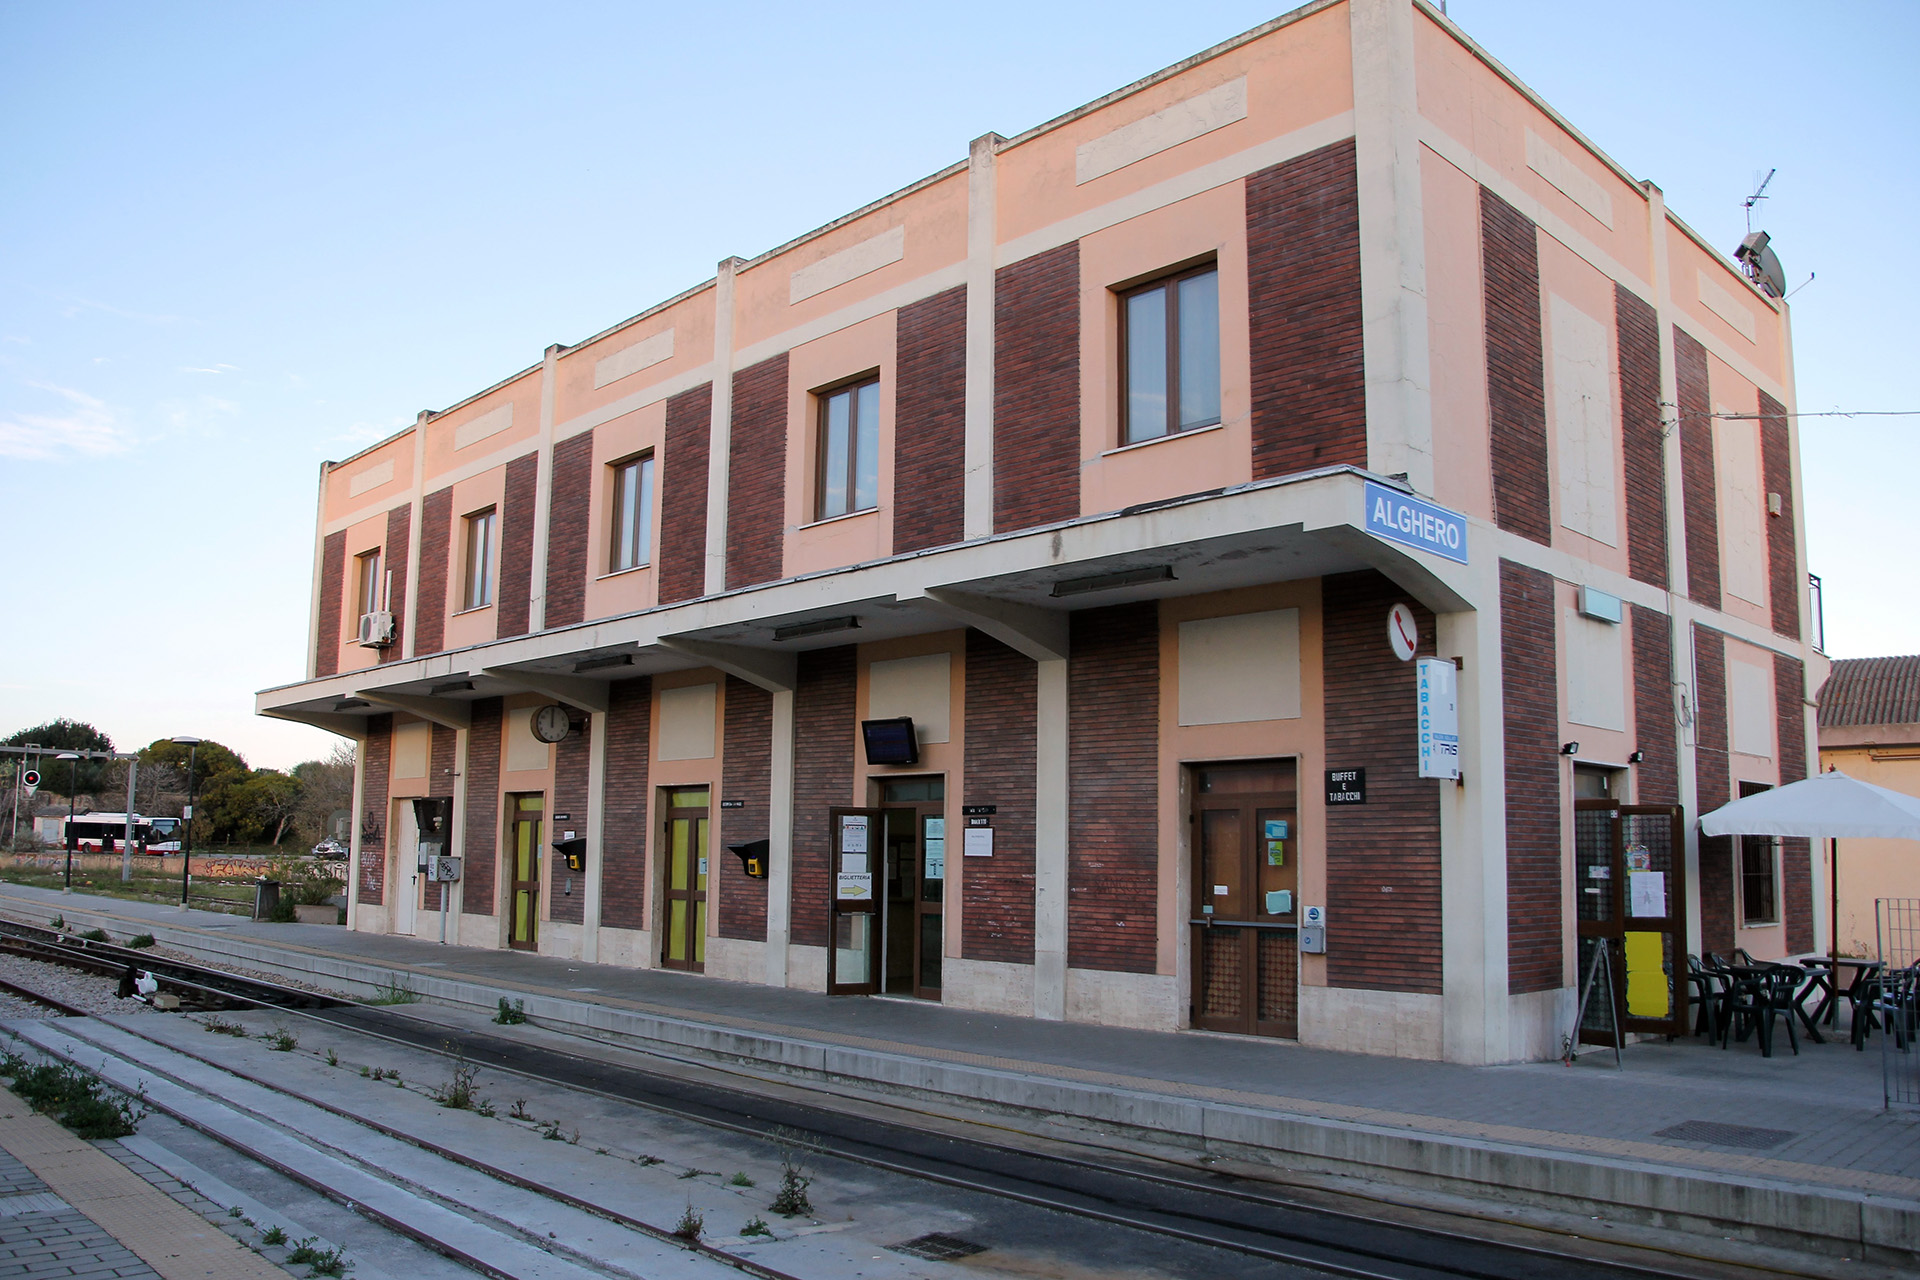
(1726, 1135)
(938, 1247)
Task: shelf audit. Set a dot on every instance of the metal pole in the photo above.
(73, 785)
(186, 832)
(126, 846)
(1833, 905)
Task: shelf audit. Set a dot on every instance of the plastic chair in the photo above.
(1710, 989)
(1759, 1000)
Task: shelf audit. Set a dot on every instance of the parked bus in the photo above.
(106, 832)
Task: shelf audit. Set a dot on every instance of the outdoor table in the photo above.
(1826, 971)
(1819, 978)
(1753, 979)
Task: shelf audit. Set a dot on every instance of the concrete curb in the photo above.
(1861, 1224)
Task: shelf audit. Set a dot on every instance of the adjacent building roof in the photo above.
(1871, 691)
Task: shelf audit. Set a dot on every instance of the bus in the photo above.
(106, 832)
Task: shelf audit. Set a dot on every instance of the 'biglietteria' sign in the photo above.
(1415, 522)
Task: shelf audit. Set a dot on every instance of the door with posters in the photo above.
(856, 843)
(1630, 890)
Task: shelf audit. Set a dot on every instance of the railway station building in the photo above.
(1287, 548)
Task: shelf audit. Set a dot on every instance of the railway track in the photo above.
(1134, 1193)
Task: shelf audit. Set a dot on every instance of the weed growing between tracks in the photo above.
(395, 992)
(273, 1235)
(325, 1262)
(510, 1014)
(692, 1223)
(140, 940)
(76, 1097)
(221, 1027)
(282, 1040)
(458, 1094)
(97, 935)
(756, 1226)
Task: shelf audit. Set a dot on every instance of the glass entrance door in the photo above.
(685, 878)
(523, 889)
(1630, 895)
(1246, 841)
(911, 936)
(857, 849)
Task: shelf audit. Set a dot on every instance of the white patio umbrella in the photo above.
(1826, 806)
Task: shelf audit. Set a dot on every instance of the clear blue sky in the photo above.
(243, 238)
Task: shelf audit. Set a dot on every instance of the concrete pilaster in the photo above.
(595, 827)
(720, 429)
(977, 519)
(542, 495)
(780, 840)
(1050, 843)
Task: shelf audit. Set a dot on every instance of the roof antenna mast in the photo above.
(1759, 194)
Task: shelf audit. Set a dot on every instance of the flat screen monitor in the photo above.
(891, 741)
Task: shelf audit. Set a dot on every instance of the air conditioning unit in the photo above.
(376, 630)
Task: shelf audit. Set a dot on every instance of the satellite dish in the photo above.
(1762, 267)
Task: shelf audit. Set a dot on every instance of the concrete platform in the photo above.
(1794, 1151)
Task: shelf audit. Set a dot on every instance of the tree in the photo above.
(326, 791)
(67, 735)
(259, 807)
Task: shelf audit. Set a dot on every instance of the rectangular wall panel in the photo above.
(1697, 481)
(683, 495)
(746, 780)
(822, 778)
(929, 421)
(375, 809)
(1036, 390)
(1783, 559)
(1796, 852)
(1303, 286)
(480, 833)
(1516, 381)
(516, 545)
(568, 553)
(1530, 718)
(1712, 788)
(326, 627)
(1113, 816)
(399, 531)
(1643, 435)
(623, 833)
(757, 474)
(436, 535)
(1002, 692)
(1383, 857)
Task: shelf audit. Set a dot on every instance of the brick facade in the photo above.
(567, 890)
(746, 776)
(1036, 390)
(399, 530)
(1383, 857)
(1783, 558)
(1796, 852)
(823, 706)
(623, 834)
(1303, 288)
(1701, 495)
(326, 628)
(1530, 727)
(757, 474)
(515, 596)
(1113, 740)
(480, 835)
(682, 555)
(1516, 377)
(441, 758)
(436, 538)
(567, 532)
(376, 772)
(930, 421)
(1657, 780)
(1643, 435)
(1002, 704)
(1712, 788)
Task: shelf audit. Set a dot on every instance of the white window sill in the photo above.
(621, 573)
(479, 608)
(1763, 924)
(845, 515)
(1188, 434)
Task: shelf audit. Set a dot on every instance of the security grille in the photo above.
(1897, 1004)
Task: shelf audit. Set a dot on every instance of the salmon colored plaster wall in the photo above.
(442, 458)
(1729, 391)
(638, 588)
(1482, 112)
(936, 221)
(1565, 273)
(1296, 76)
(1686, 260)
(948, 758)
(1763, 941)
(473, 626)
(1871, 869)
(363, 536)
(704, 772)
(859, 535)
(522, 782)
(341, 504)
(1303, 739)
(691, 320)
(1457, 336)
(1112, 476)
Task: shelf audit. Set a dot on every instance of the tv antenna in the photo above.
(1759, 194)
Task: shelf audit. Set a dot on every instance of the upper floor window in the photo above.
(368, 592)
(479, 578)
(1759, 858)
(1170, 355)
(632, 523)
(849, 448)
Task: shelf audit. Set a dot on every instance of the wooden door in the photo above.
(523, 886)
(684, 874)
(1630, 888)
(857, 845)
(1245, 939)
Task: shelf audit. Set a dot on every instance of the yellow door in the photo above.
(524, 886)
(686, 880)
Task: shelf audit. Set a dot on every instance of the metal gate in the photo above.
(1630, 889)
(1897, 929)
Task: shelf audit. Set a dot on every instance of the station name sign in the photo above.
(1415, 522)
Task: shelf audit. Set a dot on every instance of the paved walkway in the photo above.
(1811, 1120)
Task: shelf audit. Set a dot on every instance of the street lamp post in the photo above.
(73, 785)
(186, 828)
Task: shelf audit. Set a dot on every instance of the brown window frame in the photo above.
(1167, 281)
(367, 572)
(823, 400)
(1757, 847)
(646, 476)
(488, 566)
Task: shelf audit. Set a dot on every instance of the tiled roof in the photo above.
(1871, 691)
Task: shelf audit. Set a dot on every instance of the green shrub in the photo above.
(97, 935)
(305, 881)
(511, 1013)
(140, 940)
(77, 1098)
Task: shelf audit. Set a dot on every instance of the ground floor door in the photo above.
(911, 937)
(1630, 895)
(1245, 834)
(524, 815)
(403, 875)
(683, 872)
(857, 846)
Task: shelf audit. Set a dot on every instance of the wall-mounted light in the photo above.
(601, 664)
(1638, 757)
(1113, 581)
(817, 627)
(452, 686)
(1569, 748)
